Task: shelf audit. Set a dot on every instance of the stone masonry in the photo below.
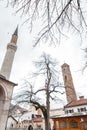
(68, 82)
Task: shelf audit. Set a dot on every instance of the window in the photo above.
(71, 111)
(36, 116)
(66, 112)
(78, 110)
(82, 109)
(63, 124)
(73, 124)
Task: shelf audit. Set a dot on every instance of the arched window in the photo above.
(63, 124)
(73, 124)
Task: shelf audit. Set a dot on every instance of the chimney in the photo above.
(81, 97)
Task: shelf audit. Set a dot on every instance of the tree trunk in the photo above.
(48, 109)
(46, 124)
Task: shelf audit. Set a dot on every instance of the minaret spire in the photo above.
(9, 57)
(15, 36)
(16, 31)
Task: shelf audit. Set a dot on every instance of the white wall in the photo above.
(10, 122)
(76, 108)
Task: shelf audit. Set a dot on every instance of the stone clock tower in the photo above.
(68, 82)
(6, 86)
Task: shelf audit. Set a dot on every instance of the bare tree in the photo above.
(56, 16)
(85, 57)
(52, 86)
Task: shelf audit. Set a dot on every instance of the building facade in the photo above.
(12, 122)
(75, 117)
(70, 122)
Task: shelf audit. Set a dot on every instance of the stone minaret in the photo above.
(9, 57)
(68, 82)
(6, 86)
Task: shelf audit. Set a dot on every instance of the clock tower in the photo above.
(68, 82)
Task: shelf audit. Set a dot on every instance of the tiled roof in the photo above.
(77, 103)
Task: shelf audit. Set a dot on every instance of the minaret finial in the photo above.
(16, 31)
(15, 36)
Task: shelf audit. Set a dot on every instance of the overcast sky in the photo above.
(69, 51)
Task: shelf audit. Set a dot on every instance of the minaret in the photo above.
(68, 82)
(6, 86)
(9, 57)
